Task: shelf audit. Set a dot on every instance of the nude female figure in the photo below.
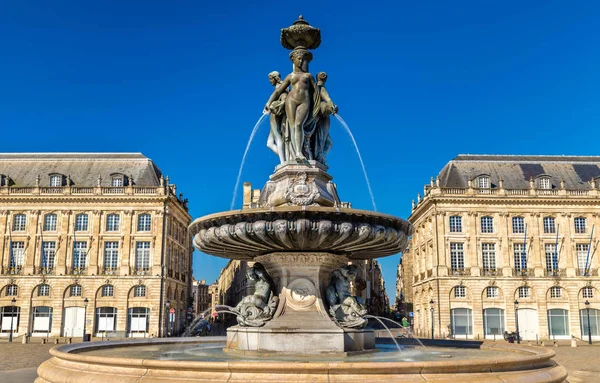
(299, 103)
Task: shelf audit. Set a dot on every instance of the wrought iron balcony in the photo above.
(142, 271)
(492, 272)
(18, 269)
(109, 270)
(522, 272)
(77, 270)
(586, 273)
(46, 270)
(459, 271)
(554, 273)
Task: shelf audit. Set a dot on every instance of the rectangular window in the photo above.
(518, 225)
(549, 225)
(142, 257)
(55, 181)
(558, 322)
(580, 225)
(460, 292)
(582, 250)
(112, 222)
(457, 257)
(524, 292)
(50, 222)
(144, 221)
(42, 319)
(111, 257)
(487, 224)
(456, 224)
(461, 321)
(139, 318)
(544, 183)
(493, 321)
(106, 319)
(488, 256)
(491, 292)
(484, 182)
(48, 256)
(594, 322)
(551, 257)
(19, 221)
(17, 257)
(81, 222)
(79, 257)
(520, 257)
(116, 181)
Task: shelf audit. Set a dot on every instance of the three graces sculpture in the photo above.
(300, 107)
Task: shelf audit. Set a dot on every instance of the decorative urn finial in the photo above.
(300, 35)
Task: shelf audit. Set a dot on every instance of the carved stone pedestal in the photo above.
(300, 185)
(301, 324)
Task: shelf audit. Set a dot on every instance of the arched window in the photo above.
(543, 182)
(555, 292)
(518, 225)
(117, 180)
(112, 222)
(108, 291)
(56, 180)
(139, 291)
(587, 292)
(81, 222)
(144, 222)
(75, 291)
(460, 292)
(483, 182)
(12, 290)
(491, 292)
(524, 292)
(43, 290)
(487, 224)
(19, 222)
(50, 222)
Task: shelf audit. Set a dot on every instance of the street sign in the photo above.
(172, 311)
(411, 314)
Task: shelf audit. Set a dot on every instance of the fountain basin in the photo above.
(118, 361)
(246, 234)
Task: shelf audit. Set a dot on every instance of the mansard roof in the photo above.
(517, 170)
(83, 168)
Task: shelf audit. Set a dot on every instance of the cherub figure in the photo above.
(348, 310)
(256, 309)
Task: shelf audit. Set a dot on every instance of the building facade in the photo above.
(502, 241)
(201, 296)
(96, 240)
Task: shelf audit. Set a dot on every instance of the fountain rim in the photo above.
(523, 355)
(195, 228)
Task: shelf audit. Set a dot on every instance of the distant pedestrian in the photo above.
(404, 322)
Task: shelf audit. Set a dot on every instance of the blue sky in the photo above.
(184, 82)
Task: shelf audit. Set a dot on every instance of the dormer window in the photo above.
(117, 180)
(56, 180)
(543, 182)
(3, 180)
(483, 182)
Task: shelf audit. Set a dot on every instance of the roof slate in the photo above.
(575, 171)
(83, 168)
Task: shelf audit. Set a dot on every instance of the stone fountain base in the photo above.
(301, 325)
(512, 363)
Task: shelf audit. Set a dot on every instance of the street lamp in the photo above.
(85, 304)
(431, 303)
(517, 320)
(587, 308)
(12, 317)
(168, 320)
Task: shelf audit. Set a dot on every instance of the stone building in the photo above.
(201, 296)
(94, 240)
(504, 237)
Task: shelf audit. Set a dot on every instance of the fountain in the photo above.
(302, 323)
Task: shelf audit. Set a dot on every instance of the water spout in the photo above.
(237, 181)
(341, 120)
(408, 332)
(386, 327)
